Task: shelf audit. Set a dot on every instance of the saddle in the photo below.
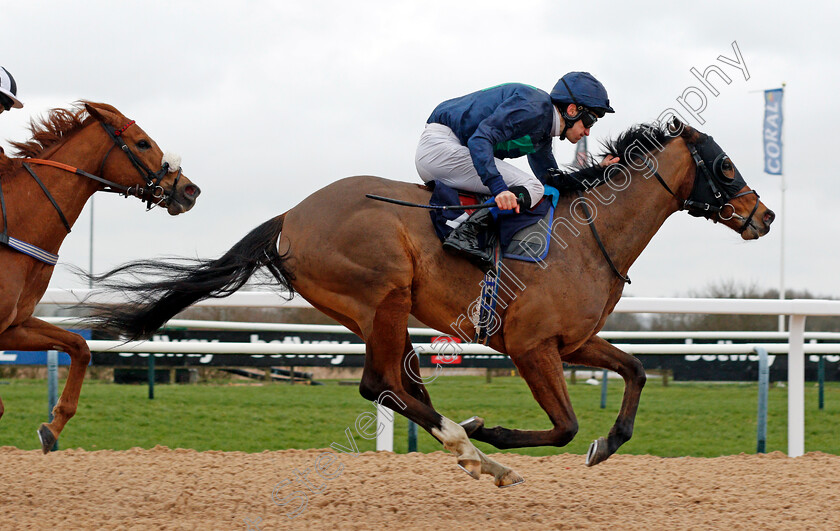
(519, 236)
(516, 236)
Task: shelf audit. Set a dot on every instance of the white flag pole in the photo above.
(782, 214)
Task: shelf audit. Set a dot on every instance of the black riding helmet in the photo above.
(8, 91)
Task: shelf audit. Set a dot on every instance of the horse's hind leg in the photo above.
(411, 378)
(383, 381)
(600, 353)
(413, 383)
(34, 334)
(542, 370)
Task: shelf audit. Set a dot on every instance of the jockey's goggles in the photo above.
(587, 117)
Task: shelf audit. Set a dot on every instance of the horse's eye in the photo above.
(143, 145)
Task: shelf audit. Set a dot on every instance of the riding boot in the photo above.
(464, 240)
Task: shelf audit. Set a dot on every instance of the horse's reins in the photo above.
(153, 193)
(589, 220)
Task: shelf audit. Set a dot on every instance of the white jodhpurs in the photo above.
(441, 157)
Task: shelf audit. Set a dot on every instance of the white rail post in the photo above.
(385, 429)
(796, 386)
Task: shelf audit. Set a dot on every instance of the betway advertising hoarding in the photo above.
(707, 367)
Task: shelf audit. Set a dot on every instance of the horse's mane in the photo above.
(649, 137)
(48, 131)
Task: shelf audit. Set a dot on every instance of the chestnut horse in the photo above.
(369, 265)
(71, 155)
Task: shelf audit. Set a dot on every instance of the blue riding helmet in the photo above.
(581, 88)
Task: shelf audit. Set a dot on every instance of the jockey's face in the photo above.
(577, 131)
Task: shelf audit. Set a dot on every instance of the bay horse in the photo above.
(70, 156)
(369, 265)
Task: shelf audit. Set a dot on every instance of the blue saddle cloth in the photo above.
(520, 235)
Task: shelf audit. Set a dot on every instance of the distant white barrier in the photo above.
(797, 309)
(242, 326)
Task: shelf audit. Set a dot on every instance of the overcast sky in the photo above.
(270, 101)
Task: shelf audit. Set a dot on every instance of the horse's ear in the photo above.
(676, 127)
(101, 115)
(92, 111)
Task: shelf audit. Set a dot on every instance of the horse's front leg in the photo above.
(35, 334)
(600, 353)
(542, 370)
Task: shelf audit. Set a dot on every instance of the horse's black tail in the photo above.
(158, 289)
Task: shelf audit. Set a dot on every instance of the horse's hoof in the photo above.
(47, 438)
(472, 424)
(471, 467)
(508, 479)
(598, 451)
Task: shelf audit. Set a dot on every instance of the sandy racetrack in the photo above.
(185, 489)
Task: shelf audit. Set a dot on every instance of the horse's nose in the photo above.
(769, 216)
(192, 191)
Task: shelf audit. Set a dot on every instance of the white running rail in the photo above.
(797, 309)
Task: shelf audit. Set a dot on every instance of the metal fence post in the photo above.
(821, 378)
(412, 436)
(763, 385)
(52, 387)
(604, 389)
(151, 375)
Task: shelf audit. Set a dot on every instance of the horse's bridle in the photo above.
(719, 189)
(711, 201)
(152, 193)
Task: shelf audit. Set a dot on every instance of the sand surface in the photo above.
(184, 489)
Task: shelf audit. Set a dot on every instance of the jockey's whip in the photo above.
(488, 204)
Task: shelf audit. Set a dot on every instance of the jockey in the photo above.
(8, 91)
(8, 96)
(465, 139)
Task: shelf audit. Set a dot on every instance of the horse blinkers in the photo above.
(716, 182)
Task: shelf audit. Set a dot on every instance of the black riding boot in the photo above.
(464, 239)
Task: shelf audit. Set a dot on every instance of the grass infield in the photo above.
(682, 419)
